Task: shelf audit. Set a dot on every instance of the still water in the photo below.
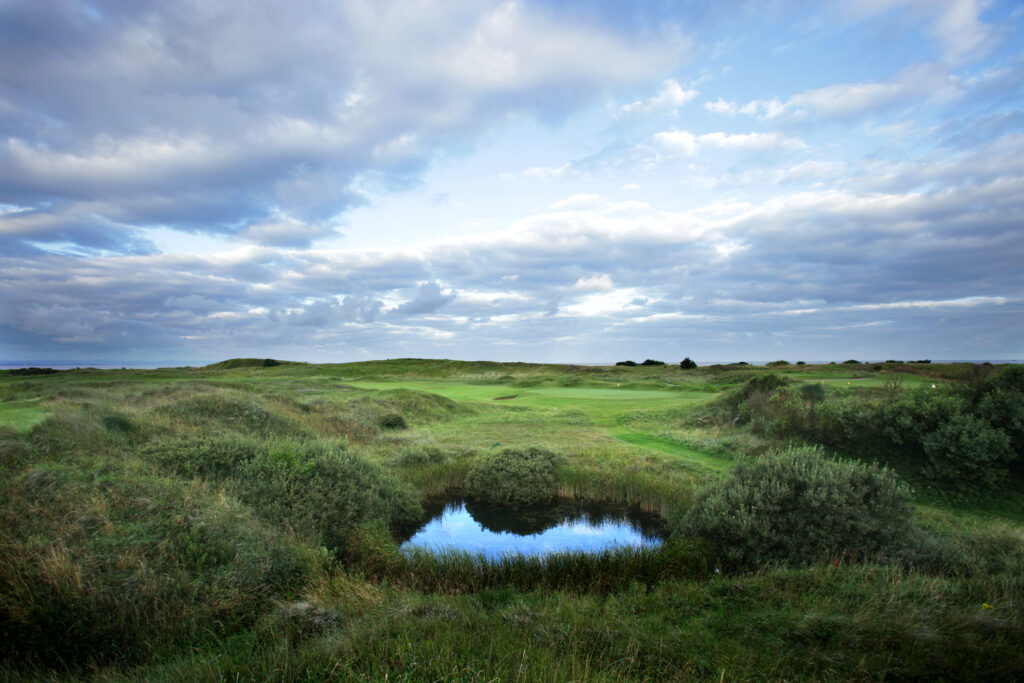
(476, 527)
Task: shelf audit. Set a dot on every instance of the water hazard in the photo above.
(493, 530)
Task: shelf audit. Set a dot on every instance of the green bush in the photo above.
(315, 486)
(967, 454)
(321, 488)
(798, 506)
(514, 477)
(392, 421)
(687, 364)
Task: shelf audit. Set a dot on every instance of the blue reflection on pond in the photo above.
(476, 527)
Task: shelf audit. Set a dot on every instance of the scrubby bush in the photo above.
(967, 454)
(777, 363)
(627, 363)
(514, 477)
(321, 488)
(311, 486)
(392, 421)
(687, 364)
(797, 506)
(651, 361)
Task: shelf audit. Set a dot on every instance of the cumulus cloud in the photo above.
(672, 95)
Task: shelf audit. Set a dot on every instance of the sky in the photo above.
(562, 181)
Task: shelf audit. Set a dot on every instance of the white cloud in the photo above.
(688, 144)
(597, 283)
(955, 24)
(851, 100)
(671, 95)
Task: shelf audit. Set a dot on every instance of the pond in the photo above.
(493, 530)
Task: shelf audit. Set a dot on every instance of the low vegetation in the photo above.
(847, 521)
(799, 506)
(514, 477)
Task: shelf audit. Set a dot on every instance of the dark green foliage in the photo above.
(320, 488)
(514, 477)
(311, 486)
(392, 421)
(627, 363)
(32, 371)
(1004, 409)
(798, 506)
(967, 454)
(650, 361)
(234, 363)
(851, 362)
(813, 392)
(687, 364)
(119, 423)
(777, 363)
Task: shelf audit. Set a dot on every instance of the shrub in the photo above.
(687, 364)
(797, 506)
(653, 362)
(627, 363)
(514, 477)
(392, 421)
(813, 392)
(319, 487)
(421, 455)
(777, 363)
(311, 486)
(967, 455)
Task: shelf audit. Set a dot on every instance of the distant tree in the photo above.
(687, 364)
(627, 363)
(653, 362)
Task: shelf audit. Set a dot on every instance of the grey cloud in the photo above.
(429, 299)
(212, 117)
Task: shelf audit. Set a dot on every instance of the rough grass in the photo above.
(116, 565)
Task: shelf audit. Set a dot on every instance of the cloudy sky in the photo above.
(542, 181)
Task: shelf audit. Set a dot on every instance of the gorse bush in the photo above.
(514, 477)
(797, 506)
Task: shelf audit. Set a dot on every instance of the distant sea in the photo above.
(101, 364)
(151, 365)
